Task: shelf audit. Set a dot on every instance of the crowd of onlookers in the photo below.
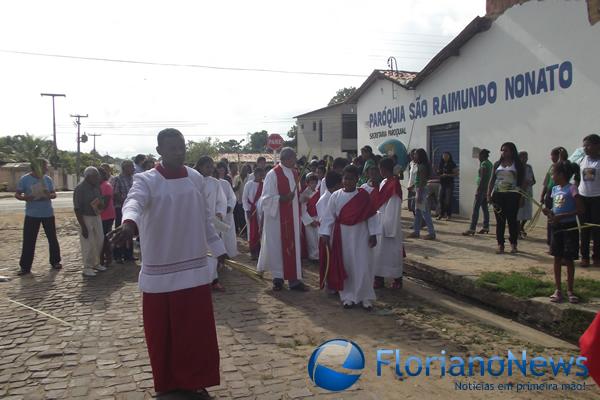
(570, 198)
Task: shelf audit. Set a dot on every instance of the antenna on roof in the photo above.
(393, 65)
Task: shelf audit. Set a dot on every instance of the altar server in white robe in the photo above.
(333, 182)
(250, 201)
(373, 182)
(167, 205)
(310, 218)
(280, 243)
(229, 237)
(337, 166)
(388, 254)
(350, 227)
(217, 206)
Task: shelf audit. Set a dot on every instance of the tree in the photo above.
(22, 148)
(258, 142)
(293, 134)
(195, 150)
(342, 95)
(230, 146)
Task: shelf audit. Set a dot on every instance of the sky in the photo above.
(342, 41)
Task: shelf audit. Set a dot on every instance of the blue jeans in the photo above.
(426, 215)
(480, 201)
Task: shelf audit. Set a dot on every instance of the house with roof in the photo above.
(527, 73)
(329, 130)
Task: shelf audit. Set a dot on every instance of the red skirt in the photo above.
(182, 339)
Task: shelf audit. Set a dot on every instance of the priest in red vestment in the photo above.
(167, 206)
(280, 243)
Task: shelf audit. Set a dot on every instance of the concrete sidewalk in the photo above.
(455, 262)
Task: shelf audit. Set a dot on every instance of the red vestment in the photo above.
(589, 344)
(254, 237)
(286, 220)
(390, 188)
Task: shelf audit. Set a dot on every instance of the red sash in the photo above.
(286, 220)
(589, 344)
(254, 238)
(357, 210)
(390, 188)
(311, 205)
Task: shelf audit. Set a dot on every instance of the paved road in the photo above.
(62, 201)
(96, 350)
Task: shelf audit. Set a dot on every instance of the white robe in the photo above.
(323, 187)
(322, 204)
(271, 252)
(248, 197)
(175, 209)
(217, 204)
(388, 255)
(358, 286)
(312, 232)
(229, 237)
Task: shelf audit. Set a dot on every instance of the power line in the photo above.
(214, 67)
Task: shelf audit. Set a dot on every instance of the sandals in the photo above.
(572, 298)
(556, 297)
(378, 283)
(300, 287)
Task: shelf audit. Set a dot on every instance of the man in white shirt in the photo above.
(167, 206)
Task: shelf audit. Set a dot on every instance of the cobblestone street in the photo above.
(95, 348)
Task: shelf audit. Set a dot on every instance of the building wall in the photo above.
(525, 38)
(308, 139)
(10, 175)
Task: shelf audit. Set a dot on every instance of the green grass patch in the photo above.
(528, 285)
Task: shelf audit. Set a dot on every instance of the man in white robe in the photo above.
(167, 205)
(229, 237)
(217, 207)
(357, 237)
(388, 254)
(280, 243)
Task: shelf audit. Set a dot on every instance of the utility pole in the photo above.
(94, 136)
(78, 123)
(53, 95)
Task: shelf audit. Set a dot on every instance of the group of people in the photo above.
(344, 216)
(570, 199)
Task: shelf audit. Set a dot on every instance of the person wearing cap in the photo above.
(483, 178)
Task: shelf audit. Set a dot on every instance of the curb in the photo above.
(566, 321)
